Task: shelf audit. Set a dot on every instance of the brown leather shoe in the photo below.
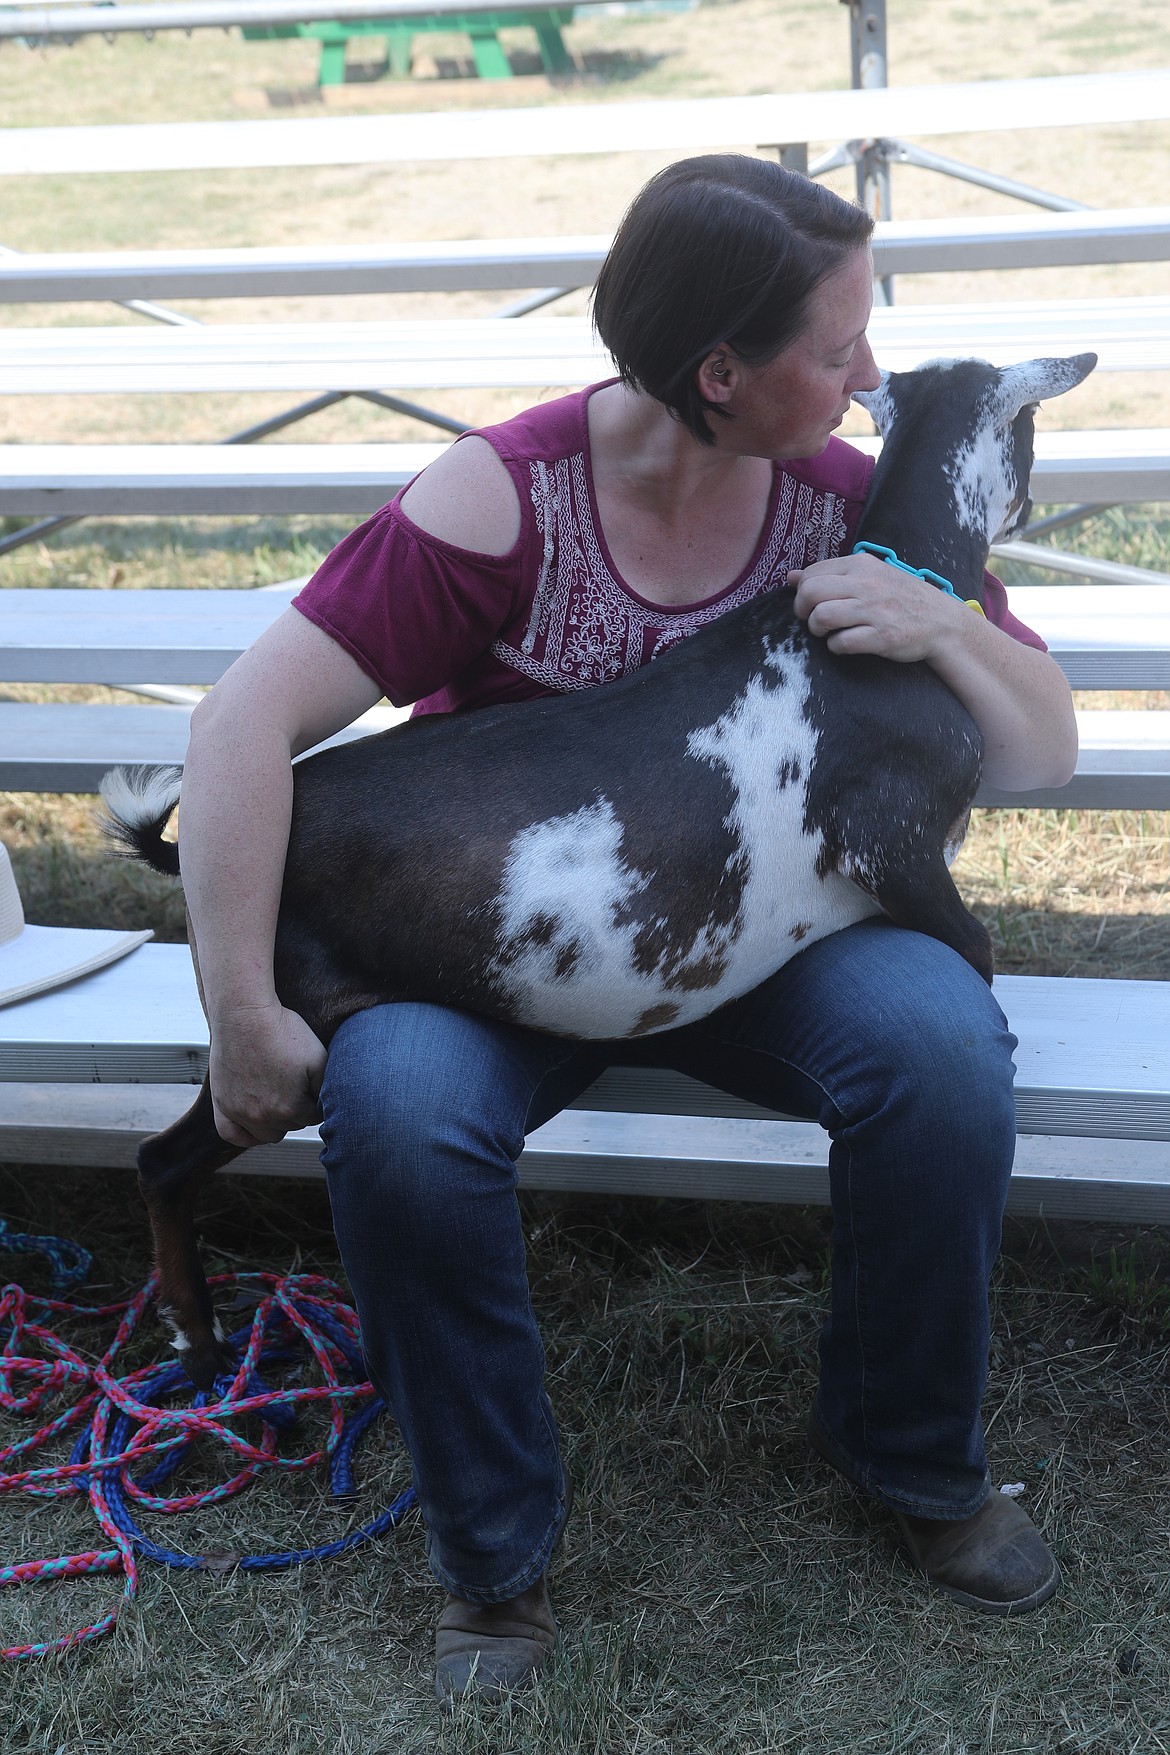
(492, 1649)
(995, 1561)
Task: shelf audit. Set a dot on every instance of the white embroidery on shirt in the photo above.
(585, 628)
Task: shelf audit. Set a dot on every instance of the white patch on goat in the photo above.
(880, 405)
(981, 476)
(180, 1340)
(567, 959)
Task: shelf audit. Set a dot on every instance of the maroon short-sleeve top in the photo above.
(450, 629)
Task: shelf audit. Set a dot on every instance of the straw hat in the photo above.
(35, 958)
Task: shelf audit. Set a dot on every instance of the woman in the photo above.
(555, 552)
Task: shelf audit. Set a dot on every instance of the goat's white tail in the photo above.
(138, 804)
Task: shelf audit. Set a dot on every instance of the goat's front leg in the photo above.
(172, 1168)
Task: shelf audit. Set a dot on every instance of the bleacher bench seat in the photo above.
(90, 1068)
(656, 125)
(1124, 762)
(1109, 466)
(1112, 637)
(907, 246)
(1131, 335)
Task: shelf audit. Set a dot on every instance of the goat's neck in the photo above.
(920, 523)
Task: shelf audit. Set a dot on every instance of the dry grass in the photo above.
(1072, 892)
(718, 1592)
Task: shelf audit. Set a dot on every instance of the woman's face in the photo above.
(790, 406)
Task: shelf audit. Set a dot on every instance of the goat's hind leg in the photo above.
(172, 1168)
(923, 897)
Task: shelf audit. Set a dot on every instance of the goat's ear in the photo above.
(1037, 380)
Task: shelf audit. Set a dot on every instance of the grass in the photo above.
(1072, 892)
(717, 1589)
(719, 1592)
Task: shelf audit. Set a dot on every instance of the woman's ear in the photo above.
(718, 375)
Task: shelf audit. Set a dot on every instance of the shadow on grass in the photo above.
(718, 1591)
(1043, 941)
(606, 66)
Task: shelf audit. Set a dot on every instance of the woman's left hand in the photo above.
(1017, 695)
(856, 603)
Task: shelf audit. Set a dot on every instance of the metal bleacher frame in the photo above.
(92, 1067)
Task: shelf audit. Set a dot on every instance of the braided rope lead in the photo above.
(69, 1263)
(134, 1418)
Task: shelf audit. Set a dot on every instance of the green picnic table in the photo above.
(399, 31)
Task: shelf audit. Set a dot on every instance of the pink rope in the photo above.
(37, 1367)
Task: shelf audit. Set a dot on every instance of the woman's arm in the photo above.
(293, 688)
(1016, 695)
(290, 690)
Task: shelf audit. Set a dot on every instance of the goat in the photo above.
(623, 860)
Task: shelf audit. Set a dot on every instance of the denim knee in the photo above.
(405, 1121)
(876, 1030)
(931, 1059)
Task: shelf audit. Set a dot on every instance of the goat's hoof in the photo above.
(204, 1356)
(206, 1361)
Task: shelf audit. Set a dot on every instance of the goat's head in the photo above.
(974, 423)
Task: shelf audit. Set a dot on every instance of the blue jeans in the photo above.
(886, 1037)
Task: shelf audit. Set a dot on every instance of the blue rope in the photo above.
(69, 1265)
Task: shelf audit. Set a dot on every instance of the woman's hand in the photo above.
(292, 689)
(856, 603)
(266, 1071)
(1016, 695)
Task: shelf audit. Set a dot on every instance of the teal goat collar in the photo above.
(891, 559)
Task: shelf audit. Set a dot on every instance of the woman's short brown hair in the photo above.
(722, 248)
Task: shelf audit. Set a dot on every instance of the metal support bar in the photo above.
(159, 313)
(174, 694)
(898, 152)
(1058, 560)
(869, 64)
(290, 416)
(1061, 521)
(548, 295)
(31, 532)
(870, 69)
(398, 405)
(835, 159)
(156, 313)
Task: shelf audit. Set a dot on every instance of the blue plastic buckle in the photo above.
(891, 560)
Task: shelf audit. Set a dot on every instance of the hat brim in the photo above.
(43, 957)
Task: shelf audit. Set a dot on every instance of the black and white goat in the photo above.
(623, 860)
